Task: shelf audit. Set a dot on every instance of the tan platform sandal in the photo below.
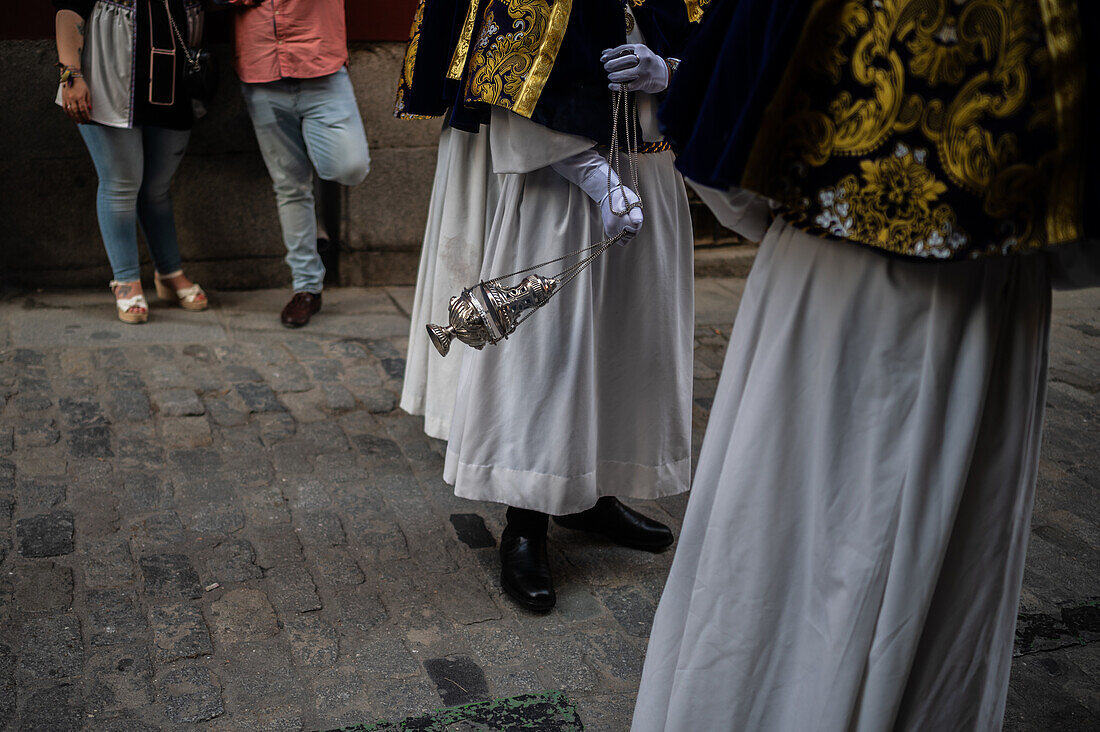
(131, 310)
(189, 298)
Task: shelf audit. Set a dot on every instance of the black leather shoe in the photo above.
(621, 524)
(525, 569)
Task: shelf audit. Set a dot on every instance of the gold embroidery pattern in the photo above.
(696, 8)
(462, 50)
(981, 91)
(515, 52)
(409, 65)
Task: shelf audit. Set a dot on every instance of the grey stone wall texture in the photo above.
(225, 208)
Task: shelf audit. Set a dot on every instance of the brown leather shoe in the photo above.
(300, 309)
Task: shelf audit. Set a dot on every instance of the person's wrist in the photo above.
(69, 74)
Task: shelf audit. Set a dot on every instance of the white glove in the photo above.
(588, 170)
(636, 66)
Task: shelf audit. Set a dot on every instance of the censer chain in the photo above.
(622, 99)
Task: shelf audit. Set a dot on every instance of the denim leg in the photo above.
(333, 129)
(164, 150)
(275, 117)
(117, 155)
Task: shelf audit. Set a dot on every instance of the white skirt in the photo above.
(853, 550)
(592, 396)
(463, 194)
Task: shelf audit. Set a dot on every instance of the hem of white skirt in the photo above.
(559, 495)
(436, 427)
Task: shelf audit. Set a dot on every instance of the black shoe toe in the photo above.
(525, 571)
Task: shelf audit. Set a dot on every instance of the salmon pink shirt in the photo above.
(289, 39)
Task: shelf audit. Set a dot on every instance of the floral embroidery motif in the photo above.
(962, 93)
(409, 65)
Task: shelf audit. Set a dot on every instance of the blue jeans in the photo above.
(135, 168)
(303, 125)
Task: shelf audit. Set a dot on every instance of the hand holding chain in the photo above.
(490, 311)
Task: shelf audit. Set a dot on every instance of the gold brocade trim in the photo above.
(695, 9)
(645, 148)
(409, 65)
(532, 87)
(462, 50)
(1063, 27)
(515, 52)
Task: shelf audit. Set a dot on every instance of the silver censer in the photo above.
(489, 312)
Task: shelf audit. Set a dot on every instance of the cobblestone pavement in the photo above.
(209, 520)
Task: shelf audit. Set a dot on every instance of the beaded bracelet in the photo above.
(68, 73)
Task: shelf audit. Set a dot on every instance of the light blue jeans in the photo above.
(135, 168)
(304, 125)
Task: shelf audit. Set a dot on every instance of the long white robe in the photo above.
(463, 196)
(592, 396)
(853, 550)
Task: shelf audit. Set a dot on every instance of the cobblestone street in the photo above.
(212, 521)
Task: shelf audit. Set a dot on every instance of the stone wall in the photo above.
(225, 209)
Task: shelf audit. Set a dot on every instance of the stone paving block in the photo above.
(276, 427)
(632, 608)
(7, 686)
(144, 492)
(243, 615)
(227, 410)
(179, 631)
(259, 398)
(56, 708)
(237, 373)
(185, 432)
(40, 494)
(265, 506)
(334, 566)
(306, 406)
(158, 530)
(232, 560)
(286, 378)
(43, 588)
(46, 535)
(361, 609)
(324, 437)
(130, 405)
(91, 442)
(50, 648)
(382, 655)
(166, 376)
(31, 402)
(338, 398)
(113, 618)
(496, 645)
(312, 641)
(621, 657)
(125, 379)
(36, 433)
(117, 680)
(326, 369)
(458, 679)
(170, 576)
(107, 564)
(465, 600)
(335, 691)
(214, 519)
(307, 495)
(564, 659)
(276, 546)
(398, 699)
(505, 682)
(140, 451)
(197, 463)
(249, 470)
(178, 403)
(7, 440)
(291, 589)
(81, 412)
(190, 694)
(319, 528)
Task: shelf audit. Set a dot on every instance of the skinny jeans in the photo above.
(135, 168)
(304, 125)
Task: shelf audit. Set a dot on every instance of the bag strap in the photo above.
(179, 37)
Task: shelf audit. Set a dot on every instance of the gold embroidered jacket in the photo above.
(943, 129)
